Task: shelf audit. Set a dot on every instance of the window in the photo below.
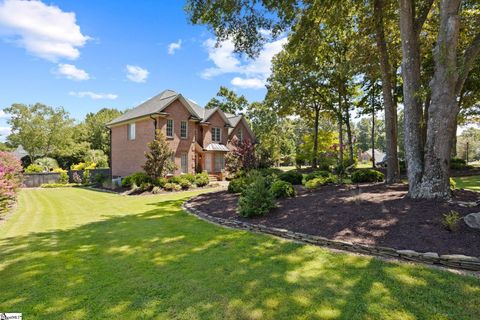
(183, 129)
(219, 162)
(240, 134)
(216, 135)
(170, 128)
(131, 131)
(184, 162)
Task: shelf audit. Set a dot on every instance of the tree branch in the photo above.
(422, 16)
(471, 53)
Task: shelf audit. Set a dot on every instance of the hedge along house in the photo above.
(199, 137)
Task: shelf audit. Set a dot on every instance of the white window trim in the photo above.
(173, 129)
(214, 135)
(129, 135)
(186, 129)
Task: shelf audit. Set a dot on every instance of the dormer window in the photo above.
(240, 134)
(216, 135)
(169, 132)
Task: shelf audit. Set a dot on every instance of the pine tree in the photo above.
(159, 158)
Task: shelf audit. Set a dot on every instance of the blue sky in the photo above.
(85, 55)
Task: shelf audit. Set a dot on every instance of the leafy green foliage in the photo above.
(48, 164)
(185, 183)
(96, 134)
(136, 178)
(63, 177)
(316, 174)
(320, 181)
(453, 184)
(256, 199)
(172, 187)
(292, 176)
(34, 168)
(160, 182)
(227, 101)
(458, 164)
(451, 220)
(367, 175)
(282, 189)
(59, 185)
(201, 179)
(238, 185)
(159, 157)
(86, 176)
(97, 157)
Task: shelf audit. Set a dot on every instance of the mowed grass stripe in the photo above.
(96, 255)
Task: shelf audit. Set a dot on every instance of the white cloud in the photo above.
(248, 83)
(93, 95)
(4, 115)
(255, 71)
(172, 47)
(136, 74)
(43, 30)
(72, 72)
(5, 131)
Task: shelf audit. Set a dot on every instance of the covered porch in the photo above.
(211, 160)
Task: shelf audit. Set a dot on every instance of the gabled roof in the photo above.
(161, 101)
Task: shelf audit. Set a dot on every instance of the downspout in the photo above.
(110, 153)
(154, 125)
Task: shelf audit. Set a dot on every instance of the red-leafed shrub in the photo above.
(242, 157)
(10, 179)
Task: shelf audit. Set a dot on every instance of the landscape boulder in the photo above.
(473, 220)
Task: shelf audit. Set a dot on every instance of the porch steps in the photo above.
(212, 178)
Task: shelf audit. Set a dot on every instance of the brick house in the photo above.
(199, 137)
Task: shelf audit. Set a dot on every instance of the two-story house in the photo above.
(199, 137)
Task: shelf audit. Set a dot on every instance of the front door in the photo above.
(208, 162)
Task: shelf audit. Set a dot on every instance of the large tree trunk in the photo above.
(443, 109)
(340, 131)
(315, 139)
(411, 91)
(393, 172)
(373, 136)
(349, 135)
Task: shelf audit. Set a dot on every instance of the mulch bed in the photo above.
(373, 214)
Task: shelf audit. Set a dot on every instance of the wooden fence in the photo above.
(34, 180)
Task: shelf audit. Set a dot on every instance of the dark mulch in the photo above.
(369, 214)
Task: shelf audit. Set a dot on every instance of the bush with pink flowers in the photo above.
(10, 179)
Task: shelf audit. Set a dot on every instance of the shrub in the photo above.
(160, 182)
(79, 166)
(86, 177)
(90, 166)
(367, 175)
(238, 185)
(135, 178)
(185, 184)
(450, 220)
(457, 163)
(453, 184)
(282, 189)
(201, 179)
(10, 179)
(320, 181)
(58, 185)
(146, 186)
(190, 177)
(76, 178)
(172, 187)
(316, 174)
(34, 168)
(256, 199)
(292, 176)
(156, 190)
(241, 157)
(100, 178)
(63, 177)
(175, 179)
(48, 164)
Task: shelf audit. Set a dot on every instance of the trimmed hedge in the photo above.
(367, 175)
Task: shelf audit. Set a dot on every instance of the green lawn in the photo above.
(472, 183)
(79, 254)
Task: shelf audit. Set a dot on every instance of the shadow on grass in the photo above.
(165, 263)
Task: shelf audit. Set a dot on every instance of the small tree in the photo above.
(159, 158)
(242, 157)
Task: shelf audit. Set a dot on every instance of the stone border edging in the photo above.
(452, 260)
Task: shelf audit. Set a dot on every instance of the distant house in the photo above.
(199, 137)
(367, 155)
